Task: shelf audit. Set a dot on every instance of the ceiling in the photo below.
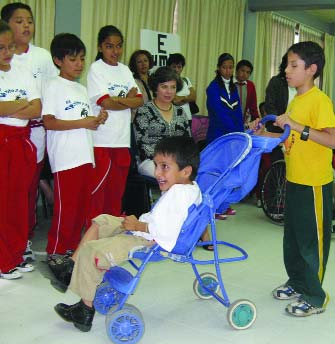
(327, 16)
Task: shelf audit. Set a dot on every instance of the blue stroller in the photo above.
(228, 172)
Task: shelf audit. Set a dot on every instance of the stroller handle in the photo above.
(287, 128)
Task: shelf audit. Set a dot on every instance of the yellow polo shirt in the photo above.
(308, 162)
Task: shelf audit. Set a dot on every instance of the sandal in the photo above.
(230, 211)
(220, 216)
(208, 247)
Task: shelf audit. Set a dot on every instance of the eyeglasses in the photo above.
(9, 48)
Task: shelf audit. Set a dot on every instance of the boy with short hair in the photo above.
(308, 203)
(110, 239)
(246, 91)
(66, 115)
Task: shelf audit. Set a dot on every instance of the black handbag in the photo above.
(193, 108)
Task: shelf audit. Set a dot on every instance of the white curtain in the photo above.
(282, 39)
(262, 59)
(328, 72)
(310, 34)
(207, 29)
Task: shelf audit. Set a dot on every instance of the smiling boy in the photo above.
(110, 239)
(308, 204)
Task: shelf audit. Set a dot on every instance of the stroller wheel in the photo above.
(209, 281)
(105, 298)
(273, 192)
(125, 325)
(241, 314)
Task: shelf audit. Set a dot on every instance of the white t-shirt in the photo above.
(185, 91)
(39, 62)
(67, 100)
(15, 84)
(169, 213)
(104, 79)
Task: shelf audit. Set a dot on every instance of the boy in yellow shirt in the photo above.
(308, 203)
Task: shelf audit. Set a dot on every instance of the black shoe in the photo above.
(79, 314)
(62, 270)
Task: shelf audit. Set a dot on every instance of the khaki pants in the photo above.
(97, 256)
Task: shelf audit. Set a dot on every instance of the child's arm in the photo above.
(181, 100)
(324, 137)
(8, 108)
(52, 123)
(120, 103)
(130, 223)
(33, 110)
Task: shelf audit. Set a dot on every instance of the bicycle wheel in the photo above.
(273, 192)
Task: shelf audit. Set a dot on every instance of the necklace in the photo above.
(167, 110)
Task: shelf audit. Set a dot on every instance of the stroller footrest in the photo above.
(120, 279)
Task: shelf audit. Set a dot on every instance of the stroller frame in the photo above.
(124, 322)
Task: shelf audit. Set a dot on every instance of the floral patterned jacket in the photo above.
(150, 127)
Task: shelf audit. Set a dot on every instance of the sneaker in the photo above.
(230, 211)
(29, 255)
(25, 267)
(302, 308)
(11, 274)
(285, 292)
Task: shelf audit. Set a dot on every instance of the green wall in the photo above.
(68, 16)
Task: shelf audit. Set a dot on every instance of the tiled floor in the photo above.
(172, 313)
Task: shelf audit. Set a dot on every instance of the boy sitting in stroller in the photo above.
(110, 239)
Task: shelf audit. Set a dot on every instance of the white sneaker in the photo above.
(11, 274)
(285, 292)
(29, 255)
(302, 308)
(25, 267)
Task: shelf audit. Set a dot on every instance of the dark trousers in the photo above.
(307, 231)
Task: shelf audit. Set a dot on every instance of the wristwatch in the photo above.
(305, 133)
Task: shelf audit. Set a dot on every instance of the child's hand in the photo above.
(256, 126)
(130, 222)
(132, 92)
(91, 122)
(102, 117)
(285, 119)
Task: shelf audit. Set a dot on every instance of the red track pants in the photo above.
(33, 192)
(72, 195)
(17, 168)
(109, 180)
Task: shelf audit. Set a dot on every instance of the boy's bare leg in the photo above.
(205, 235)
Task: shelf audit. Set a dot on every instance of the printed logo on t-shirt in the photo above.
(37, 72)
(119, 90)
(73, 104)
(13, 93)
(84, 113)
